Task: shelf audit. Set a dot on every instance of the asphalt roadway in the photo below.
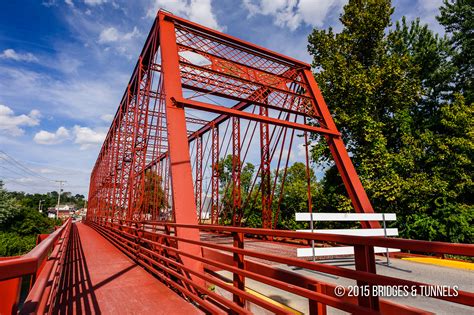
(403, 269)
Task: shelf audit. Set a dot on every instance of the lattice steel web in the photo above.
(197, 96)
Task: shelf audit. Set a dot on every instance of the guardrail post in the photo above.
(316, 308)
(139, 232)
(365, 261)
(239, 280)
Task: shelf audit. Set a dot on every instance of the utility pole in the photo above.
(39, 207)
(59, 195)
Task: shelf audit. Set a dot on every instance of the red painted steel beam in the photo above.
(243, 104)
(190, 120)
(245, 115)
(180, 166)
(239, 280)
(198, 184)
(249, 101)
(236, 172)
(147, 50)
(237, 42)
(265, 170)
(232, 79)
(215, 175)
(365, 261)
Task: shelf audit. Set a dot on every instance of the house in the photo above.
(64, 211)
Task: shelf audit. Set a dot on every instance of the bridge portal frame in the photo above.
(239, 71)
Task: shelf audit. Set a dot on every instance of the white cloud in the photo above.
(48, 3)
(94, 2)
(86, 137)
(49, 138)
(425, 10)
(12, 54)
(69, 2)
(86, 97)
(293, 13)
(314, 13)
(115, 5)
(45, 171)
(10, 124)
(199, 11)
(108, 35)
(111, 34)
(107, 117)
(430, 5)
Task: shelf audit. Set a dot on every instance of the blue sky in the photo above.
(64, 65)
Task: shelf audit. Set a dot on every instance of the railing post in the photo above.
(10, 293)
(316, 308)
(365, 261)
(139, 232)
(385, 235)
(239, 280)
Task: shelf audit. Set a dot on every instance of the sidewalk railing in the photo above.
(156, 246)
(43, 266)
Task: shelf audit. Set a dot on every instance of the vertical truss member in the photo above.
(236, 172)
(215, 175)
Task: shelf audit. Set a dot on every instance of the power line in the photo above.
(12, 171)
(12, 180)
(22, 167)
(57, 168)
(22, 170)
(15, 181)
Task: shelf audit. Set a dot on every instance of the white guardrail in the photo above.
(345, 250)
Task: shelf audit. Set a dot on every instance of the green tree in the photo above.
(20, 224)
(409, 136)
(154, 198)
(249, 209)
(295, 195)
(8, 206)
(457, 16)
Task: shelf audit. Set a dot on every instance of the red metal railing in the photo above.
(155, 246)
(43, 264)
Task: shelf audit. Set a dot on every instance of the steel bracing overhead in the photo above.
(195, 97)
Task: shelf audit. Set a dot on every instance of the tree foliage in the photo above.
(458, 19)
(154, 198)
(8, 207)
(295, 195)
(250, 209)
(20, 223)
(396, 95)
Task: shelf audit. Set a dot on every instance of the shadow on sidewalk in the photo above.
(76, 293)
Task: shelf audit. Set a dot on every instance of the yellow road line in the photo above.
(442, 262)
(266, 298)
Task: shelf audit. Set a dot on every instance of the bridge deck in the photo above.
(98, 278)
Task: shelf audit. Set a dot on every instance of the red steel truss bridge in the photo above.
(170, 197)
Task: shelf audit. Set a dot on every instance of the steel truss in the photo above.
(190, 83)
